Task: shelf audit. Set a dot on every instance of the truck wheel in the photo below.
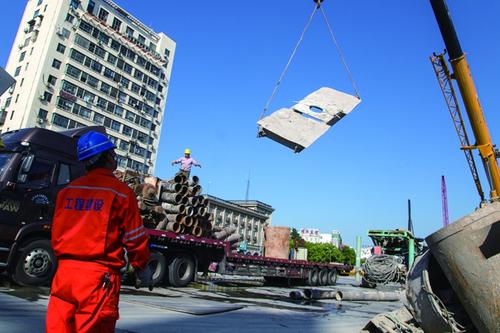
(323, 277)
(312, 279)
(181, 271)
(332, 277)
(158, 267)
(35, 264)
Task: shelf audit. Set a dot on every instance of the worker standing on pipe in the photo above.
(186, 163)
(96, 218)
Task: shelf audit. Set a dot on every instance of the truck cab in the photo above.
(35, 163)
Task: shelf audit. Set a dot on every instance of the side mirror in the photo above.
(22, 177)
(27, 162)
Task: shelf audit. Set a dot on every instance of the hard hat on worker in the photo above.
(187, 151)
(93, 143)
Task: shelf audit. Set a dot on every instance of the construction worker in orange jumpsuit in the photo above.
(96, 218)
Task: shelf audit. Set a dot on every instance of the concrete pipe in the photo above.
(174, 198)
(194, 181)
(201, 211)
(297, 295)
(188, 221)
(356, 295)
(184, 200)
(434, 304)
(319, 294)
(188, 211)
(162, 224)
(221, 234)
(193, 201)
(180, 178)
(233, 238)
(149, 191)
(172, 187)
(468, 253)
(183, 191)
(173, 209)
(182, 229)
(195, 190)
(230, 230)
(174, 218)
(196, 231)
(174, 227)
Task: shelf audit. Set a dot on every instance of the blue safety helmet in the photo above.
(93, 143)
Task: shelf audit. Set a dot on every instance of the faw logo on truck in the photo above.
(11, 206)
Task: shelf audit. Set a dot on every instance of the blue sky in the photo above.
(394, 146)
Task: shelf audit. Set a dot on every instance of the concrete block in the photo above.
(298, 127)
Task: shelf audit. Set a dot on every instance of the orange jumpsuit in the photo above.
(96, 217)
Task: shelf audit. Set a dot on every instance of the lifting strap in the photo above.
(283, 73)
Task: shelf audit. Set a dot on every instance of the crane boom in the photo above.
(463, 77)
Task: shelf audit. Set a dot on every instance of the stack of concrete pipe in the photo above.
(177, 205)
(186, 210)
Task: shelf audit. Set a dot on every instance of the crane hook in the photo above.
(318, 3)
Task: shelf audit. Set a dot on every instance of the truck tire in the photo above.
(158, 266)
(181, 271)
(332, 277)
(312, 279)
(34, 264)
(323, 277)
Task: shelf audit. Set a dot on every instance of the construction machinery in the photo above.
(463, 78)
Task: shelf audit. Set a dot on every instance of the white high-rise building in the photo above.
(89, 62)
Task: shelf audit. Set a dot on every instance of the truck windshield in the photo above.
(5, 158)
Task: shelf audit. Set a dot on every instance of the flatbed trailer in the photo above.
(177, 258)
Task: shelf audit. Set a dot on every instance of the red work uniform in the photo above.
(96, 217)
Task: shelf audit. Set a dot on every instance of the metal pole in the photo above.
(411, 252)
(358, 258)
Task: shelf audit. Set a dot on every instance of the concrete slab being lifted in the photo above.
(298, 127)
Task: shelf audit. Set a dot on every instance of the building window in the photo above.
(59, 120)
(26, 67)
(42, 114)
(90, 7)
(22, 81)
(21, 57)
(17, 98)
(73, 71)
(11, 114)
(7, 102)
(61, 48)
(70, 18)
(56, 64)
(130, 32)
(63, 32)
(47, 96)
(74, 4)
(116, 24)
(37, 12)
(52, 80)
(39, 2)
(103, 14)
(18, 70)
(142, 40)
(98, 118)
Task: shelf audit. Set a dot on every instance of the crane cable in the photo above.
(316, 7)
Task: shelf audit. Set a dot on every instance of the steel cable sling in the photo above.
(334, 40)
